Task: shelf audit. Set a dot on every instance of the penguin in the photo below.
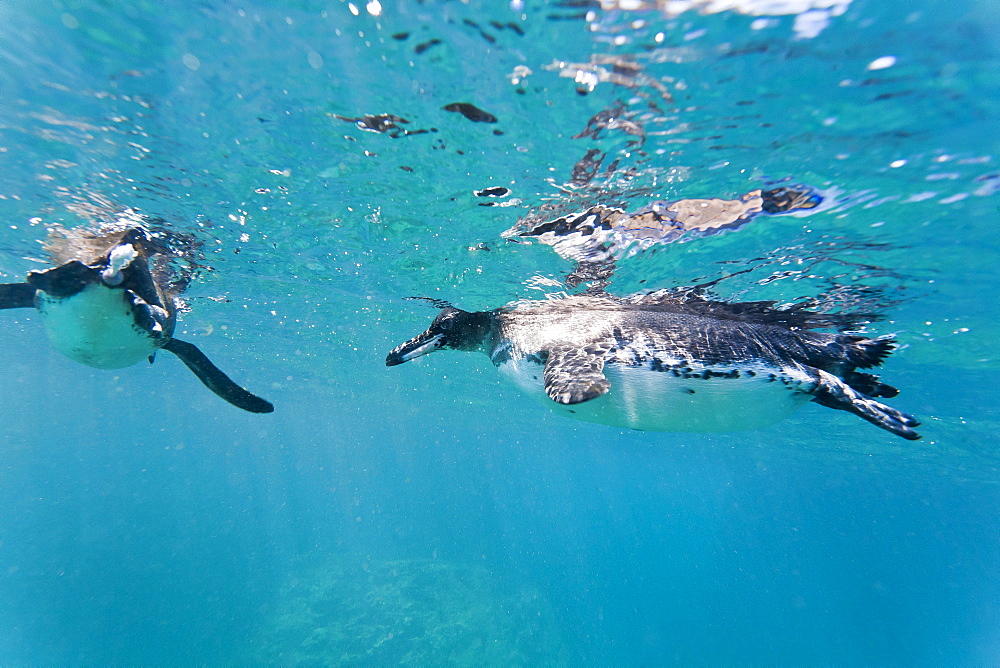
(102, 305)
(669, 361)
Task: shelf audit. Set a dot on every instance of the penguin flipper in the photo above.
(574, 375)
(832, 392)
(17, 295)
(65, 280)
(216, 380)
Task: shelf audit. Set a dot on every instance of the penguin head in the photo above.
(453, 328)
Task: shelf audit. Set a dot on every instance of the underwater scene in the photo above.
(711, 292)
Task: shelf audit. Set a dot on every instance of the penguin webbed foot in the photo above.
(832, 392)
(215, 380)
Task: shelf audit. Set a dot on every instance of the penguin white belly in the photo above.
(96, 327)
(648, 400)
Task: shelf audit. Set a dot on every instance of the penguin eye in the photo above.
(445, 320)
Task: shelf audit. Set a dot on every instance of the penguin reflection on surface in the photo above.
(107, 305)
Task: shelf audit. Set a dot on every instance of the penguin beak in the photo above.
(415, 347)
(119, 258)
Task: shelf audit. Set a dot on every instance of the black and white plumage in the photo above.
(665, 363)
(103, 305)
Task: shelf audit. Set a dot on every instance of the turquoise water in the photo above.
(431, 514)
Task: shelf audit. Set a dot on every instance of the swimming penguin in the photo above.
(665, 362)
(102, 306)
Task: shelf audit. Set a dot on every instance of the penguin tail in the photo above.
(865, 353)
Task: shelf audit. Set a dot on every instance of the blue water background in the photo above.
(143, 521)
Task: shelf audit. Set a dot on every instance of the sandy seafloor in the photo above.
(431, 514)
